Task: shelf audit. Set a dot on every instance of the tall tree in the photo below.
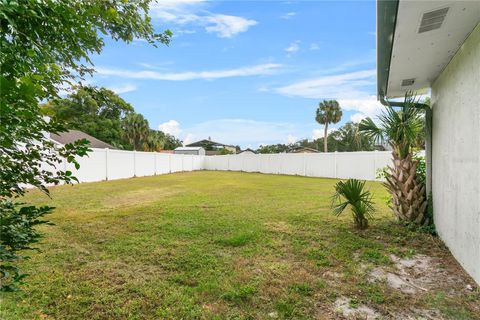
(44, 45)
(400, 128)
(136, 130)
(328, 111)
(155, 141)
(171, 143)
(96, 111)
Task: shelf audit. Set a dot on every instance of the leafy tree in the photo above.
(136, 130)
(274, 148)
(225, 151)
(400, 127)
(171, 143)
(96, 111)
(44, 45)
(351, 193)
(328, 111)
(347, 139)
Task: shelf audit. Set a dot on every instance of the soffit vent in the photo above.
(432, 20)
(408, 82)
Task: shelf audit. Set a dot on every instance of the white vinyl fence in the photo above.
(342, 165)
(105, 164)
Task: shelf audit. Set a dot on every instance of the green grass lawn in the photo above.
(217, 245)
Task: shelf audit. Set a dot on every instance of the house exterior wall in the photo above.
(456, 154)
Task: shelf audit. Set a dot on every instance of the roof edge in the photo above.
(386, 21)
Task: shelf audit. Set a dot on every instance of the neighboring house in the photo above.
(436, 45)
(74, 135)
(190, 150)
(247, 151)
(304, 150)
(210, 146)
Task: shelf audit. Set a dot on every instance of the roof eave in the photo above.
(386, 20)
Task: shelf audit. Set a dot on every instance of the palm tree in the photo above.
(401, 128)
(328, 111)
(351, 193)
(155, 141)
(136, 130)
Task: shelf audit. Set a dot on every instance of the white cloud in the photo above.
(260, 69)
(123, 88)
(293, 48)
(317, 134)
(348, 89)
(226, 26)
(171, 127)
(189, 138)
(314, 46)
(291, 139)
(190, 12)
(357, 117)
(288, 15)
(341, 86)
(368, 106)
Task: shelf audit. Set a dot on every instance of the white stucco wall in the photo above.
(456, 154)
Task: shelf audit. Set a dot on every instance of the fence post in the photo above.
(335, 162)
(304, 164)
(375, 165)
(169, 163)
(106, 164)
(134, 163)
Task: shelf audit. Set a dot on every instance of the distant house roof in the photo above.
(74, 135)
(304, 150)
(248, 150)
(188, 148)
(204, 142)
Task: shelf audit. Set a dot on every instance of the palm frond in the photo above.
(369, 129)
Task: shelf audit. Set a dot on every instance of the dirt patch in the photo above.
(417, 274)
(345, 307)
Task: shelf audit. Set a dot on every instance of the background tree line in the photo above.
(346, 138)
(104, 115)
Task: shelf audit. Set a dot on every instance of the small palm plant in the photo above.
(351, 193)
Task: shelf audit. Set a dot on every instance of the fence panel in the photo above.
(121, 164)
(293, 164)
(176, 162)
(342, 165)
(92, 167)
(162, 163)
(187, 162)
(144, 164)
(320, 165)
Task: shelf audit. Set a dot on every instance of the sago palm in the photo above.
(400, 128)
(351, 193)
(328, 111)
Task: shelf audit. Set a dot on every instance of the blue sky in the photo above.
(247, 72)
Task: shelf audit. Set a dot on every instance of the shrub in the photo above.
(351, 193)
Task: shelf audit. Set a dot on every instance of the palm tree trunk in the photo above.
(409, 200)
(325, 144)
